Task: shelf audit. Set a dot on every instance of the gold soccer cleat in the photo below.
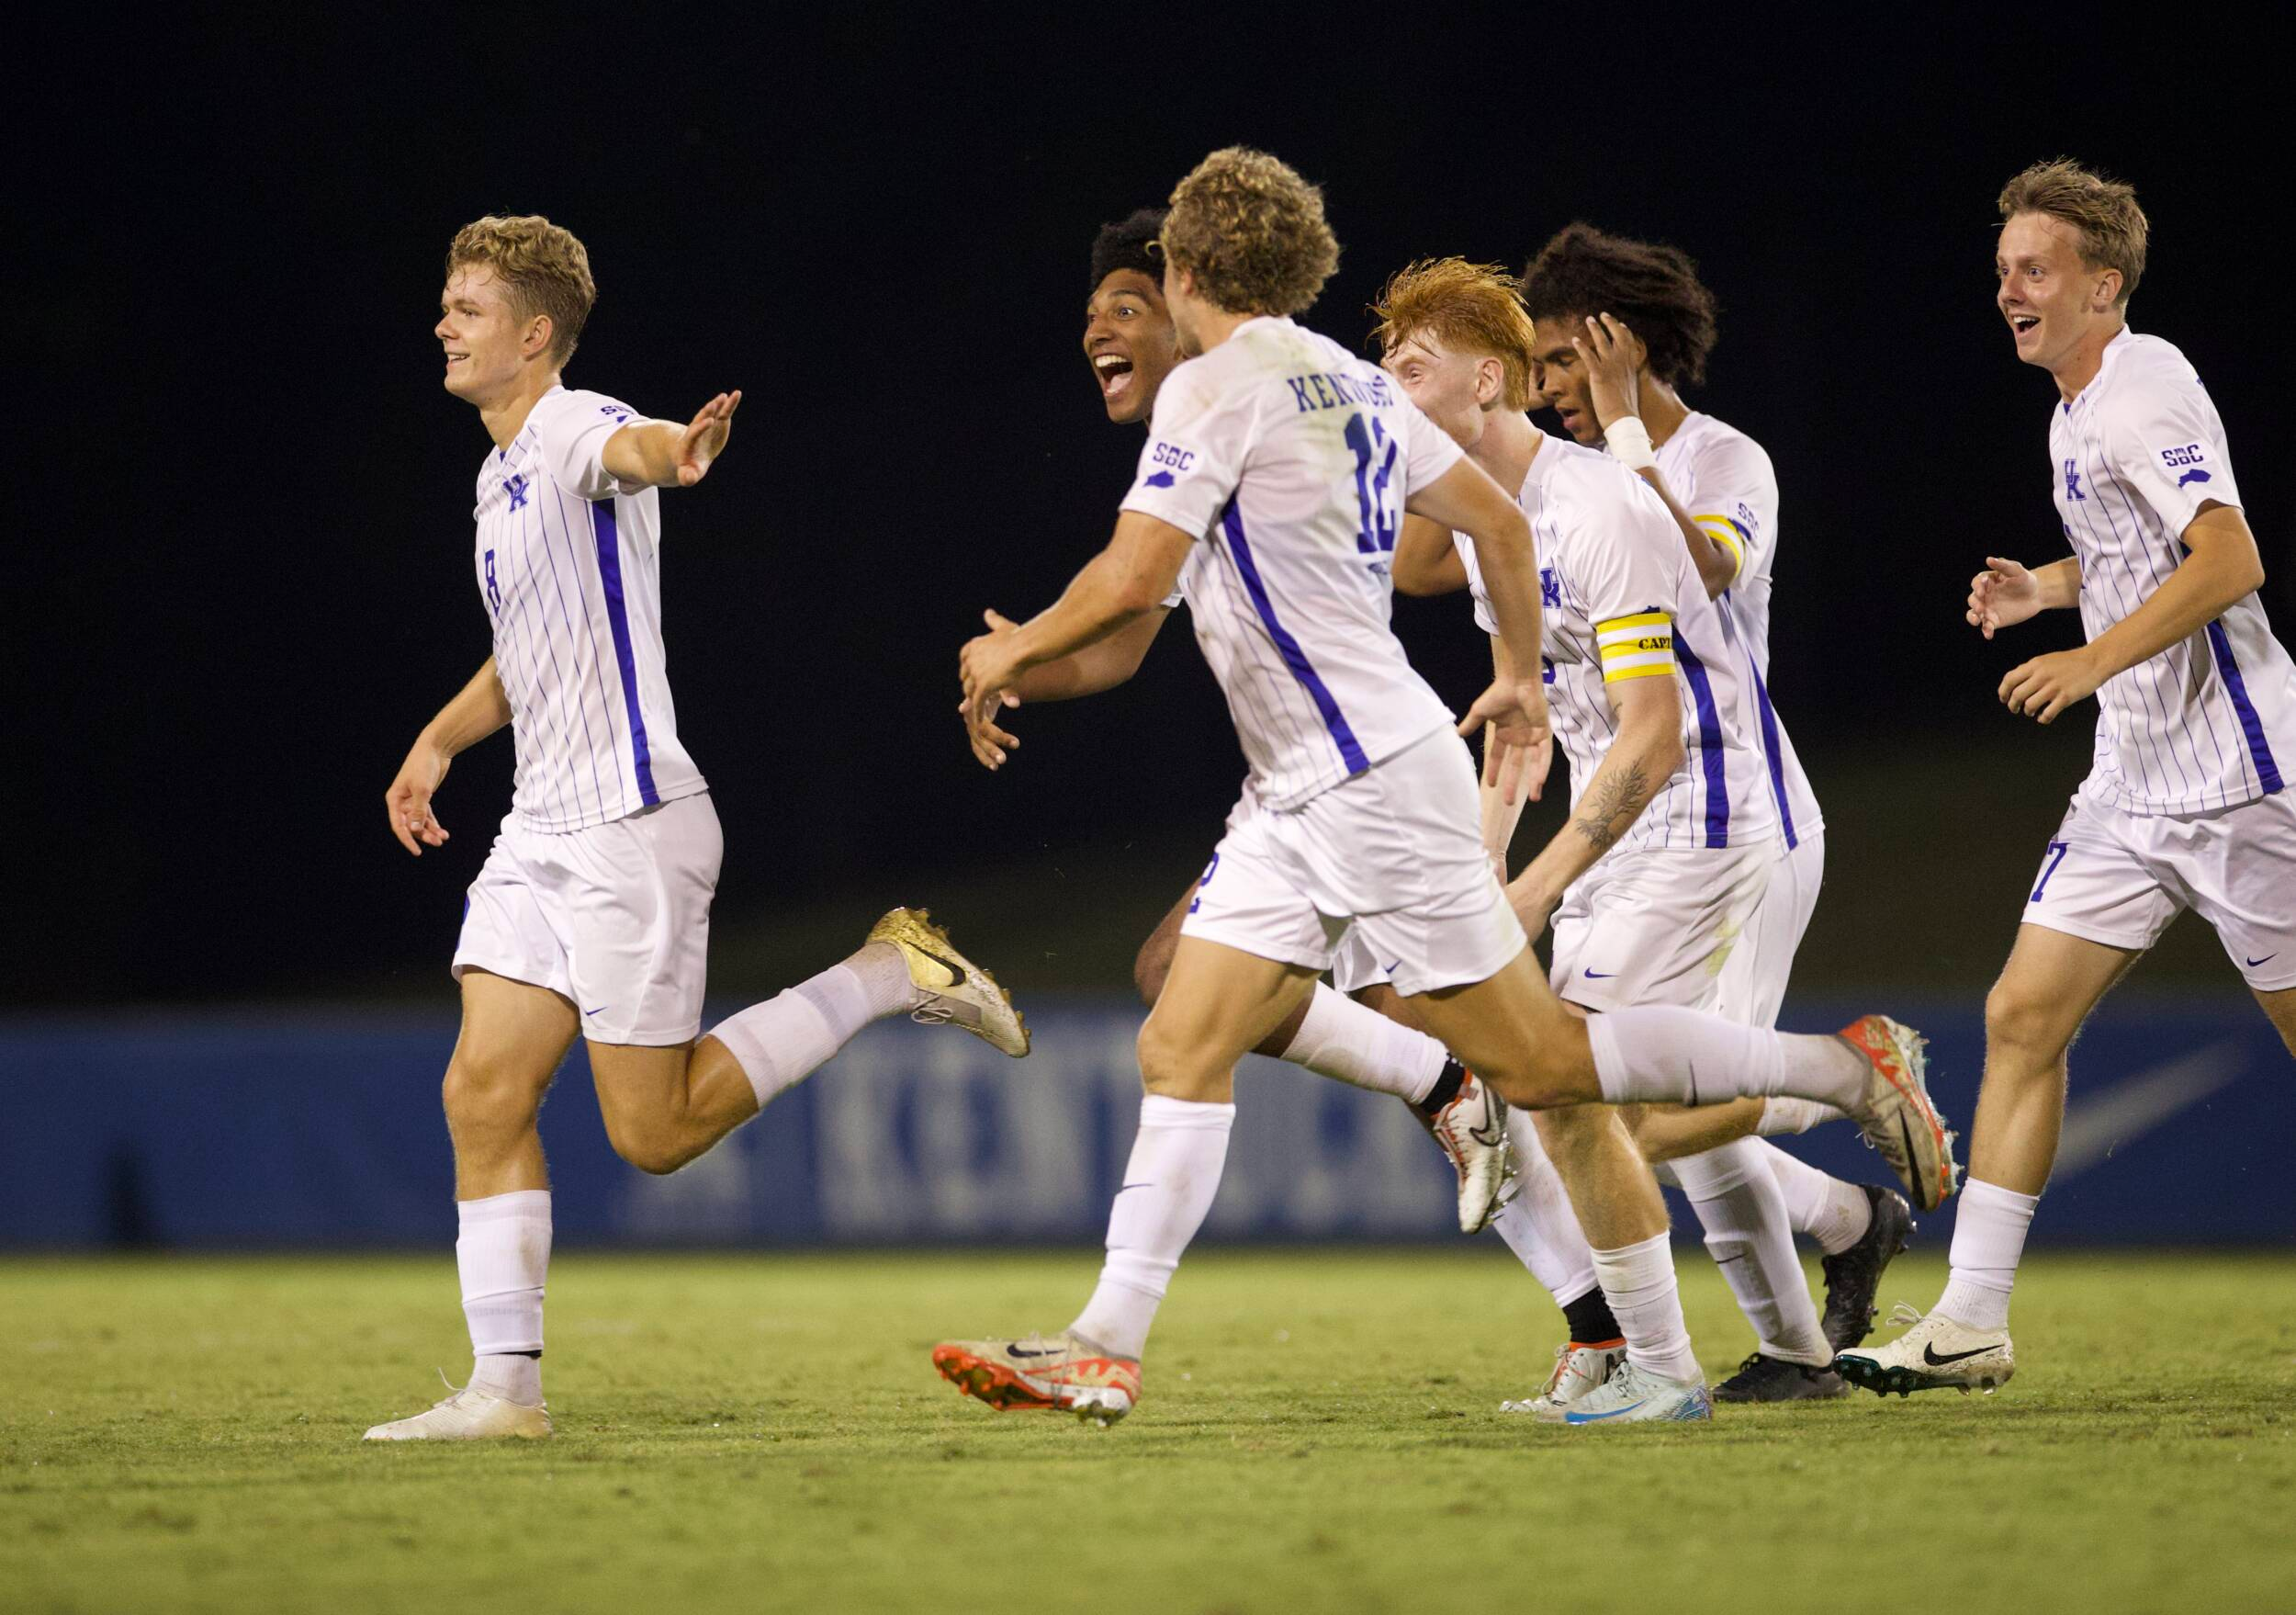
(952, 989)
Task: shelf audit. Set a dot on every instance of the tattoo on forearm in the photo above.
(1612, 806)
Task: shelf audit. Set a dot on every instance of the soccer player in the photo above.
(590, 917)
(2186, 805)
(1132, 347)
(1277, 470)
(1663, 897)
(1623, 324)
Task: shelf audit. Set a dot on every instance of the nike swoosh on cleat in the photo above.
(956, 971)
(1905, 1134)
(1024, 1351)
(1929, 1356)
(1598, 1417)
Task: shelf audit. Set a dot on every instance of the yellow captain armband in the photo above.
(1728, 535)
(1638, 647)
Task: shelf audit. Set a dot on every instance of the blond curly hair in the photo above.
(543, 266)
(1250, 232)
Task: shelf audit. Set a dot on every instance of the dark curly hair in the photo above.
(1130, 243)
(1654, 289)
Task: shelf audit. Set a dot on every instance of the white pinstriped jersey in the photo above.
(2209, 722)
(1292, 458)
(570, 568)
(1724, 480)
(1621, 600)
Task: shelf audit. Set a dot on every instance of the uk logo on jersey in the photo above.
(1549, 591)
(2072, 481)
(516, 488)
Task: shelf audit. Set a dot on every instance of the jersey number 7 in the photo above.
(1375, 495)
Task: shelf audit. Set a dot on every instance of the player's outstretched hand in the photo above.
(1612, 354)
(2001, 596)
(988, 667)
(1518, 743)
(2048, 684)
(409, 799)
(704, 437)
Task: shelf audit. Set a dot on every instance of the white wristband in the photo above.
(1630, 443)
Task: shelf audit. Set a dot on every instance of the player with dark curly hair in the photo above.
(1622, 326)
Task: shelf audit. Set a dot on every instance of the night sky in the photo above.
(249, 583)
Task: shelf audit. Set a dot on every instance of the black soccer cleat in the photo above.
(1773, 1379)
(1853, 1277)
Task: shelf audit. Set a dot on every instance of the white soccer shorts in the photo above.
(1755, 975)
(614, 918)
(1657, 926)
(1390, 857)
(2119, 878)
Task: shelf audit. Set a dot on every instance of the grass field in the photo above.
(1318, 1432)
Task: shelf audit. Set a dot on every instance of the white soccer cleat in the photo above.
(1937, 1353)
(1579, 1372)
(1896, 1114)
(468, 1415)
(1472, 1130)
(1632, 1395)
(955, 991)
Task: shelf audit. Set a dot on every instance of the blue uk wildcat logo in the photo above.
(2073, 481)
(516, 488)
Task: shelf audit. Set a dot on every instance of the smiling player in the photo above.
(2186, 805)
(590, 917)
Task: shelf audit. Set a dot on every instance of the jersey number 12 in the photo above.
(1375, 493)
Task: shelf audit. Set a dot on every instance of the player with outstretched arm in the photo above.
(591, 917)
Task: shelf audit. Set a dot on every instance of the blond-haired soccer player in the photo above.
(2186, 805)
(1277, 471)
(1132, 345)
(1667, 860)
(590, 917)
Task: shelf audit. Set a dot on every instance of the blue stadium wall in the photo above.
(323, 1130)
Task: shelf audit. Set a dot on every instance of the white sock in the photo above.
(1639, 1282)
(502, 1254)
(1784, 1115)
(1665, 1055)
(1989, 1237)
(1168, 1186)
(1538, 1224)
(1835, 1213)
(1342, 1038)
(782, 1040)
(1744, 1215)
